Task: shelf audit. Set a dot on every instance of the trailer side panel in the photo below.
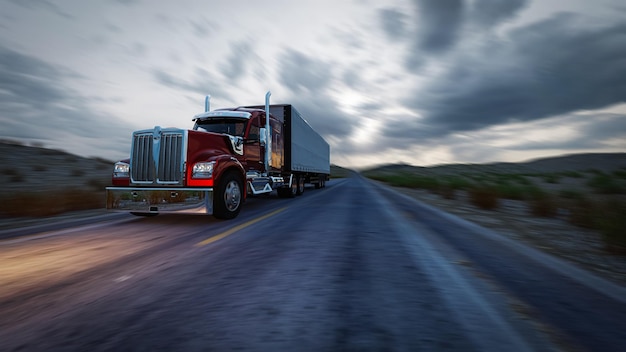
(309, 151)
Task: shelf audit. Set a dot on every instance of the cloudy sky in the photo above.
(421, 82)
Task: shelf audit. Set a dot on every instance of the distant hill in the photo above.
(339, 172)
(29, 168)
(605, 162)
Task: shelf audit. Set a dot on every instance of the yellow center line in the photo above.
(238, 227)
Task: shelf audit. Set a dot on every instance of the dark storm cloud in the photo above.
(491, 12)
(28, 81)
(36, 102)
(394, 23)
(201, 83)
(44, 5)
(439, 23)
(303, 73)
(237, 61)
(310, 79)
(553, 67)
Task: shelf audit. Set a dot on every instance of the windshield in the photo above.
(233, 127)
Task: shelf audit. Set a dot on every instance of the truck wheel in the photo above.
(228, 197)
(300, 186)
(294, 188)
(289, 192)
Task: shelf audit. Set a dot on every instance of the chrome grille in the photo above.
(157, 157)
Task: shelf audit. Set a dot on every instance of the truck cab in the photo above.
(247, 133)
(211, 168)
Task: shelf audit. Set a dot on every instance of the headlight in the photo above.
(121, 170)
(203, 170)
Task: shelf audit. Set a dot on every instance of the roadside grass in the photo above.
(605, 214)
(572, 174)
(570, 194)
(606, 184)
(449, 186)
(552, 178)
(612, 224)
(14, 175)
(407, 180)
(621, 173)
(511, 190)
(607, 217)
(484, 197)
(542, 203)
(33, 204)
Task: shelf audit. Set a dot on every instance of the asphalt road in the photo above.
(352, 267)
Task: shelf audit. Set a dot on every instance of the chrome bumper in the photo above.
(160, 200)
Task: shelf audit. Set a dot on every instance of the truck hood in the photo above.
(204, 145)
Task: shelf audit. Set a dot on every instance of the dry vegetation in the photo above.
(42, 182)
(588, 190)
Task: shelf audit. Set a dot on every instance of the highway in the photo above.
(355, 266)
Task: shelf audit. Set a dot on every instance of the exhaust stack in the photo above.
(268, 131)
(207, 103)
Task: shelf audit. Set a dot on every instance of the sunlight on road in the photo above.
(52, 259)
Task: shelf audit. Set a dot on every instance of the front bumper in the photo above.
(160, 200)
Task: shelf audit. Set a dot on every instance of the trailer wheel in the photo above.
(300, 186)
(228, 197)
(289, 192)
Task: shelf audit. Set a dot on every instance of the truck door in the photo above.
(253, 152)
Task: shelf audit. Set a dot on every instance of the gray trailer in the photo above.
(305, 154)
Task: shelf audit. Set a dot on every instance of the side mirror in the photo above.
(263, 135)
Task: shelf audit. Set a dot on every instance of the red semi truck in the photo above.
(211, 169)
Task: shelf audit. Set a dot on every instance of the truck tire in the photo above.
(300, 189)
(228, 197)
(291, 192)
